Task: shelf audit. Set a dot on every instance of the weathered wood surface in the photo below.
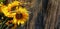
(53, 8)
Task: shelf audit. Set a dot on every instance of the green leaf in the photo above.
(2, 0)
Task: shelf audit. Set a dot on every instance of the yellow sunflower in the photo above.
(20, 16)
(6, 10)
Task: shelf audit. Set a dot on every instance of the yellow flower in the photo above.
(13, 4)
(6, 10)
(20, 16)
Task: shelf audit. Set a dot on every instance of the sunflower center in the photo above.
(19, 16)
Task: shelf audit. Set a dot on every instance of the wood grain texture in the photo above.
(52, 11)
